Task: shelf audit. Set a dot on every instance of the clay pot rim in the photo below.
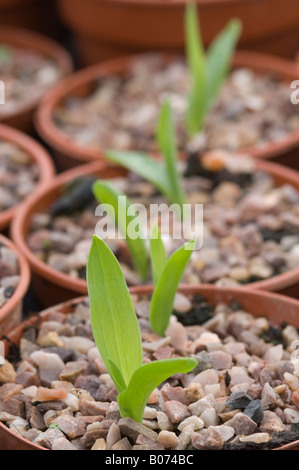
(19, 227)
(171, 3)
(60, 142)
(25, 277)
(147, 290)
(27, 39)
(40, 157)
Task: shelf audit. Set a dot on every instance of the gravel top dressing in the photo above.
(250, 226)
(19, 175)
(9, 274)
(121, 112)
(26, 76)
(244, 393)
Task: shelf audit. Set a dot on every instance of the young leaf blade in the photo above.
(117, 377)
(167, 144)
(165, 291)
(158, 254)
(113, 317)
(144, 165)
(219, 58)
(197, 66)
(145, 380)
(148, 168)
(105, 193)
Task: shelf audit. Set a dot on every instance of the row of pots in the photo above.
(69, 153)
(50, 284)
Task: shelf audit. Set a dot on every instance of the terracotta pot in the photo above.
(110, 28)
(81, 84)
(11, 312)
(40, 157)
(36, 15)
(25, 39)
(52, 286)
(276, 308)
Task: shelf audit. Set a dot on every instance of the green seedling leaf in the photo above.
(144, 165)
(208, 70)
(167, 144)
(145, 380)
(118, 378)
(164, 175)
(5, 53)
(219, 58)
(114, 323)
(158, 254)
(197, 65)
(117, 205)
(54, 426)
(164, 295)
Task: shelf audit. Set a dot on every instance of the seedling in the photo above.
(167, 276)
(117, 335)
(117, 206)
(5, 53)
(164, 175)
(209, 69)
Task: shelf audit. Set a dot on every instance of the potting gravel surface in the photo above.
(244, 393)
(19, 175)
(251, 227)
(122, 112)
(9, 274)
(26, 75)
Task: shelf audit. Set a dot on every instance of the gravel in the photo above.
(26, 75)
(245, 114)
(253, 239)
(194, 411)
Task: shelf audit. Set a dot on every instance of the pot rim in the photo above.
(61, 143)
(228, 294)
(20, 225)
(27, 39)
(171, 3)
(40, 156)
(25, 277)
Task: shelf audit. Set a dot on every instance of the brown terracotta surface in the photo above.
(275, 307)
(36, 15)
(25, 39)
(11, 312)
(111, 28)
(69, 154)
(40, 156)
(51, 284)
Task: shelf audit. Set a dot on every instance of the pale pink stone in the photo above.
(46, 394)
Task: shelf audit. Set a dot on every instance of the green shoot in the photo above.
(117, 205)
(167, 277)
(164, 175)
(158, 254)
(208, 70)
(117, 335)
(5, 53)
